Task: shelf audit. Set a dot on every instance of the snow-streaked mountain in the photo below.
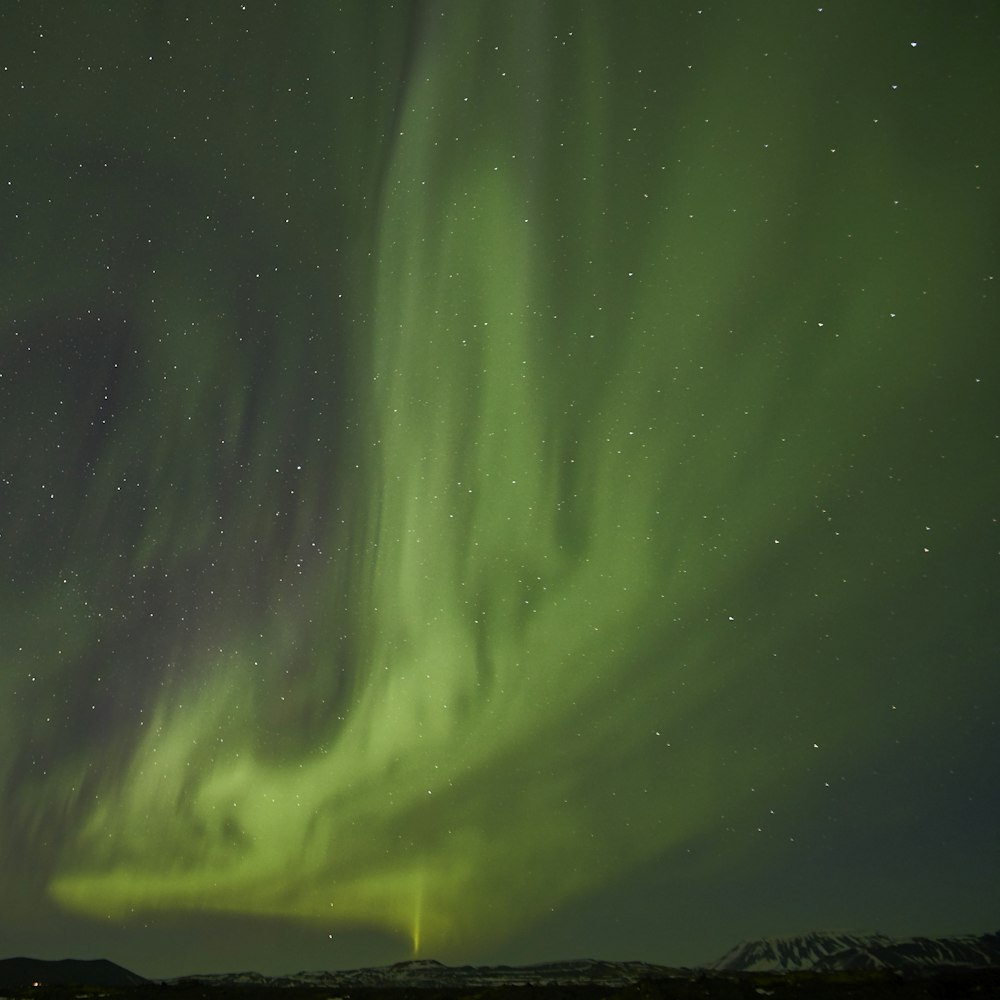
(419, 973)
(816, 952)
(832, 950)
(819, 952)
(791, 953)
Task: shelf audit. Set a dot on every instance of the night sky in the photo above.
(496, 481)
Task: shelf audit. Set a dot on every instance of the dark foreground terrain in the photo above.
(941, 985)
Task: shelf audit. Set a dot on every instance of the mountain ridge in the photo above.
(814, 952)
(430, 973)
(841, 951)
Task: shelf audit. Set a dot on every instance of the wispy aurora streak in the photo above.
(594, 444)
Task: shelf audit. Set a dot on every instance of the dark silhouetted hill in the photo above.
(17, 973)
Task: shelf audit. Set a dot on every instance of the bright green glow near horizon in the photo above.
(586, 581)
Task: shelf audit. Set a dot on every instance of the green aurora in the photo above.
(487, 450)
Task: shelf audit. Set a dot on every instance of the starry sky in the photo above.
(496, 481)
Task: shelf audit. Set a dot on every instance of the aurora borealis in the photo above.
(500, 481)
